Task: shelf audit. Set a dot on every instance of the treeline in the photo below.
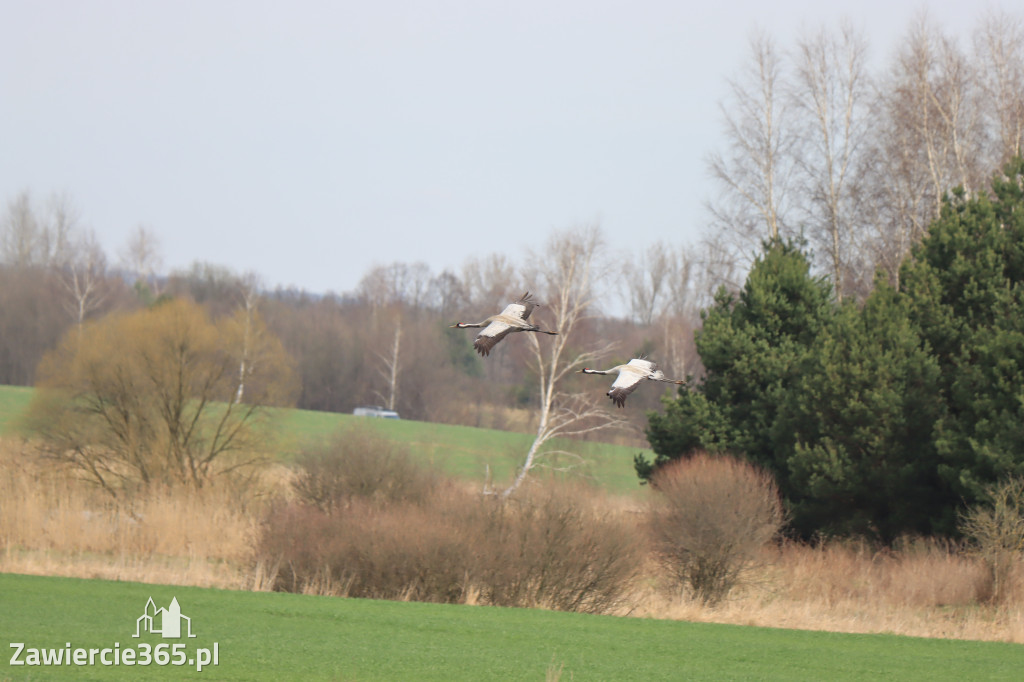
(388, 342)
(878, 419)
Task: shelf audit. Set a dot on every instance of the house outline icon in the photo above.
(169, 618)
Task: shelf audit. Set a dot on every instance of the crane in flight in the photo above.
(496, 327)
(629, 377)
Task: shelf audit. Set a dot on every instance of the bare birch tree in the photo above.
(391, 365)
(935, 83)
(926, 139)
(83, 277)
(142, 257)
(830, 91)
(568, 272)
(681, 313)
(40, 237)
(250, 285)
(682, 297)
(58, 231)
(957, 99)
(999, 46)
(755, 172)
(647, 280)
(19, 232)
(895, 194)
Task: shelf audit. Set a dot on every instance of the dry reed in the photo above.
(54, 523)
(921, 588)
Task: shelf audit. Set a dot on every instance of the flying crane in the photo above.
(629, 377)
(496, 327)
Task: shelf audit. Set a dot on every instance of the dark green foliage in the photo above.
(861, 415)
(965, 285)
(753, 347)
(879, 419)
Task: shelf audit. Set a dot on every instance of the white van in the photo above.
(375, 411)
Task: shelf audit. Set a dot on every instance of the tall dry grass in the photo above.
(921, 588)
(53, 524)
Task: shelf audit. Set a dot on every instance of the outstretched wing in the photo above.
(520, 309)
(491, 335)
(647, 366)
(623, 385)
(511, 319)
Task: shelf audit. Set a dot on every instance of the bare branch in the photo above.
(755, 171)
(569, 269)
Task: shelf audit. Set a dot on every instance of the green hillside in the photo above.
(274, 636)
(462, 451)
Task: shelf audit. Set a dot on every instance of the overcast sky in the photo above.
(309, 140)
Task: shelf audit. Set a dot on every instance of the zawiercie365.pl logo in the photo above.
(169, 623)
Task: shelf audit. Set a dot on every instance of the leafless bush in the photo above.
(711, 517)
(556, 548)
(359, 463)
(365, 550)
(552, 549)
(998, 532)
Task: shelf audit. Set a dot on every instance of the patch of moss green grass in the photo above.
(272, 636)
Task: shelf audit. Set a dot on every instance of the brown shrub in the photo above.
(551, 549)
(554, 547)
(364, 550)
(359, 463)
(711, 517)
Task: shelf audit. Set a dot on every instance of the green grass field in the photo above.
(13, 402)
(461, 451)
(469, 452)
(294, 637)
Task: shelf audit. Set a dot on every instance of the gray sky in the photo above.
(309, 140)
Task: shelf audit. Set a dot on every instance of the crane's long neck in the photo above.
(595, 371)
(471, 325)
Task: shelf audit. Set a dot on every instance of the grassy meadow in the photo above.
(464, 451)
(807, 612)
(285, 636)
(468, 452)
(14, 401)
